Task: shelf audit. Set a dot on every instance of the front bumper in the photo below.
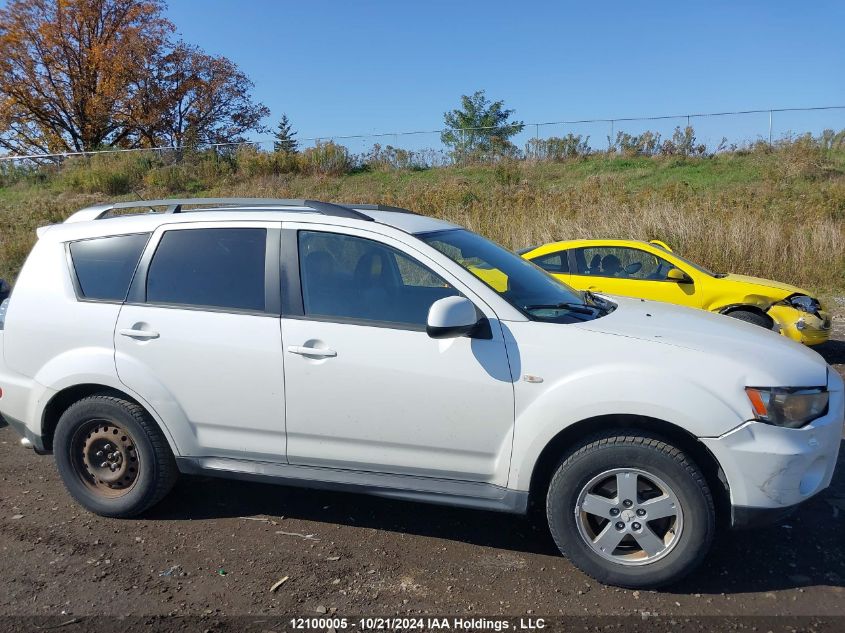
(771, 469)
(743, 518)
(806, 328)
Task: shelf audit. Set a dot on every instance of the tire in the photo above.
(755, 318)
(589, 477)
(112, 457)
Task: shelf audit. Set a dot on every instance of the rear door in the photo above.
(199, 338)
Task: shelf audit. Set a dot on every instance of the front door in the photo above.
(629, 272)
(199, 340)
(368, 389)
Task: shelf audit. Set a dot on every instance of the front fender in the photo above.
(603, 390)
(724, 304)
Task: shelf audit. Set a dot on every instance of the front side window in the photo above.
(521, 283)
(352, 278)
(217, 268)
(621, 262)
(104, 265)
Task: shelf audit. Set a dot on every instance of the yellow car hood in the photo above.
(766, 287)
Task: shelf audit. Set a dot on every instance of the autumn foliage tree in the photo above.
(80, 74)
(190, 97)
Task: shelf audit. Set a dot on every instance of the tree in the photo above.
(65, 66)
(284, 135)
(481, 128)
(79, 74)
(191, 98)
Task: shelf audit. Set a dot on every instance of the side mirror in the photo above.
(676, 274)
(451, 317)
(5, 290)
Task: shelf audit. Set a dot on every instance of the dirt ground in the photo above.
(214, 548)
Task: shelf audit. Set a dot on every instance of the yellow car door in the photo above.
(631, 272)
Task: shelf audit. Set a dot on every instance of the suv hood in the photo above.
(767, 356)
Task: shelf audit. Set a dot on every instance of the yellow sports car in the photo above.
(650, 270)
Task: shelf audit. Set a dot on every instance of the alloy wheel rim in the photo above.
(629, 516)
(105, 458)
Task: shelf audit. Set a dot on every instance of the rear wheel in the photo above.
(754, 318)
(631, 510)
(112, 457)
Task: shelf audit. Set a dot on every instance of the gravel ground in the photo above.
(214, 548)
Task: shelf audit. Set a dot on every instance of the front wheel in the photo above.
(112, 457)
(631, 510)
(754, 318)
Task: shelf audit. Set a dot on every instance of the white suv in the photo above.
(375, 350)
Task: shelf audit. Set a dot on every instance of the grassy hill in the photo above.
(772, 212)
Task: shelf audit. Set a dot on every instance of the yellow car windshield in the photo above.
(697, 267)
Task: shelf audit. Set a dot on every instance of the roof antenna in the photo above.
(141, 197)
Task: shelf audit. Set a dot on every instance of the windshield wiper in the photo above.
(600, 304)
(580, 308)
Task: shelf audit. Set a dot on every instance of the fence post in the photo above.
(770, 127)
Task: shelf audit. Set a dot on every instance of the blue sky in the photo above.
(376, 66)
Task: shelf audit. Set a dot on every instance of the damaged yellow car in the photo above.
(650, 270)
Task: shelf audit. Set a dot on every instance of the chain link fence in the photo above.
(688, 134)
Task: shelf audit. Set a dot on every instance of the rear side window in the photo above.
(554, 262)
(104, 266)
(218, 268)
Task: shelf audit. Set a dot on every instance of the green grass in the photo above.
(776, 213)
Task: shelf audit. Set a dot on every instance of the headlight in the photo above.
(788, 407)
(804, 303)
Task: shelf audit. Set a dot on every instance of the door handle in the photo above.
(139, 334)
(302, 350)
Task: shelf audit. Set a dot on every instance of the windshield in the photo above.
(524, 285)
(697, 267)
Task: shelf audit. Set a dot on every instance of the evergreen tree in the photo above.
(284, 135)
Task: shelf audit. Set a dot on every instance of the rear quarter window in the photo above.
(104, 265)
(553, 262)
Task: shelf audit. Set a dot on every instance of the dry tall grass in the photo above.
(777, 213)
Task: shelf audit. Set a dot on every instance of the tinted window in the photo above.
(104, 266)
(554, 262)
(221, 268)
(349, 277)
(621, 262)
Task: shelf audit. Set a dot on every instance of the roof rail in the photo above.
(174, 205)
(379, 207)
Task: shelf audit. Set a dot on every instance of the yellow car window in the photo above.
(621, 262)
(556, 263)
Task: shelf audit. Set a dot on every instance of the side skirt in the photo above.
(476, 495)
